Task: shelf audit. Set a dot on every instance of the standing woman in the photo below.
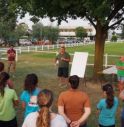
(44, 117)
(8, 100)
(107, 107)
(29, 95)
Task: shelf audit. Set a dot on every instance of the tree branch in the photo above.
(118, 7)
(91, 21)
(119, 21)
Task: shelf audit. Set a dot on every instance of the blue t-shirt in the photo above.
(30, 101)
(107, 116)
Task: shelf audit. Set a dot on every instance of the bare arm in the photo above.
(15, 103)
(61, 112)
(23, 104)
(83, 118)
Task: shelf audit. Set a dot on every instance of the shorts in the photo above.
(121, 78)
(63, 72)
(106, 126)
(11, 123)
(84, 125)
(122, 122)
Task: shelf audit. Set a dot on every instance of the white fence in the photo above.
(50, 49)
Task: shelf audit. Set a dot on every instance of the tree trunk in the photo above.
(101, 35)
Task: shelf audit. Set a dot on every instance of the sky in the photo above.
(46, 22)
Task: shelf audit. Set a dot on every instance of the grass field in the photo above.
(43, 65)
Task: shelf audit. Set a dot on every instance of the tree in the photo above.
(81, 32)
(51, 33)
(114, 38)
(122, 34)
(37, 31)
(45, 32)
(21, 30)
(102, 14)
(8, 16)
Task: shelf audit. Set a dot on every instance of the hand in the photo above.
(68, 121)
(75, 124)
(63, 59)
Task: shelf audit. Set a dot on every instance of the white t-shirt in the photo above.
(30, 121)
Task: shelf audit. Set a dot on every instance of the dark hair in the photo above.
(1, 66)
(74, 81)
(3, 79)
(110, 95)
(30, 82)
(45, 99)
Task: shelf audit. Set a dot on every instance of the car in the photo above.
(25, 42)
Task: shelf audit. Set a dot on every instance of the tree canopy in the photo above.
(45, 32)
(102, 14)
(81, 32)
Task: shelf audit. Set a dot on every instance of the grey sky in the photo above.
(46, 21)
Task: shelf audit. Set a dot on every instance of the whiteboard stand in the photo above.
(79, 65)
(84, 81)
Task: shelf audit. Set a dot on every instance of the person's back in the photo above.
(56, 121)
(30, 101)
(107, 115)
(107, 107)
(7, 111)
(8, 100)
(74, 105)
(44, 117)
(29, 95)
(74, 102)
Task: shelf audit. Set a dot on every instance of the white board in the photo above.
(79, 64)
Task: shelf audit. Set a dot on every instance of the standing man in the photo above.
(74, 105)
(63, 59)
(11, 54)
(120, 73)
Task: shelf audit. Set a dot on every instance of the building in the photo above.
(69, 31)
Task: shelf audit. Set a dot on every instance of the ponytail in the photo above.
(110, 98)
(43, 119)
(3, 79)
(110, 95)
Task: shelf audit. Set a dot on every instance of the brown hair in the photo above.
(110, 95)
(1, 66)
(45, 99)
(30, 83)
(3, 79)
(74, 81)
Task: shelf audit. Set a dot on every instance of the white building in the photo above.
(69, 31)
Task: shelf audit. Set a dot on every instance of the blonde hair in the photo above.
(45, 99)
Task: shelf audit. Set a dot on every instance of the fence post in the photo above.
(28, 49)
(48, 47)
(53, 46)
(42, 47)
(20, 50)
(35, 48)
(106, 60)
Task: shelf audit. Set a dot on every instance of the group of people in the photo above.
(74, 106)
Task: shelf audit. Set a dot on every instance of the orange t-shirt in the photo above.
(74, 103)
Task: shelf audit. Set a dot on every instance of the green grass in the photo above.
(43, 65)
